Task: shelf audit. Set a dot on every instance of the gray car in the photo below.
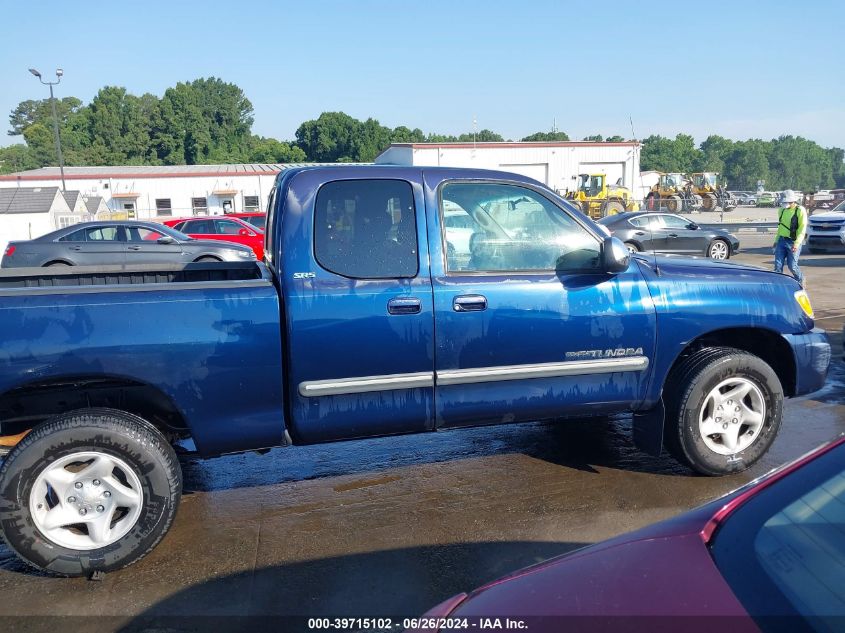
(670, 233)
(110, 243)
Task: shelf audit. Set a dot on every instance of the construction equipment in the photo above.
(712, 190)
(598, 199)
(674, 192)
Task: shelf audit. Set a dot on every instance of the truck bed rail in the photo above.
(86, 276)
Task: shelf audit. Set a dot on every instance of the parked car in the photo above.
(124, 242)
(256, 219)
(766, 199)
(768, 555)
(669, 233)
(226, 228)
(745, 198)
(826, 230)
(361, 325)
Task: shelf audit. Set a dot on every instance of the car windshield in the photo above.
(784, 549)
(839, 207)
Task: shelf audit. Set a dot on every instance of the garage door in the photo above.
(537, 171)
(613, 171)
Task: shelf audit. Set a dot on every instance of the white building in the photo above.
(157, 192)
(556, 164)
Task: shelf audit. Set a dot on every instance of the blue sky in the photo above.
(768, 68)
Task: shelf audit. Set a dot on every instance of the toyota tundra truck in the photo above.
(364, 320)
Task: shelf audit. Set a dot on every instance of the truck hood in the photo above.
(836, 216)
(683, 265)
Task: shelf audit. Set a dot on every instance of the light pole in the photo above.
(59, 73)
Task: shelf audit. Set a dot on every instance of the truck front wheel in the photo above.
(90, 490)
(723, 410)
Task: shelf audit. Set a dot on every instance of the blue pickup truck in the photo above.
(391, 300)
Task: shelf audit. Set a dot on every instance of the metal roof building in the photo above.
(148, 192)
(556, 164)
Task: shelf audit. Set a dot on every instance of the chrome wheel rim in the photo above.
(86, 500)
(718, 250)
(732, 416)
(632, 249)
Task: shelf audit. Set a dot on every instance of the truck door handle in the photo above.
(469, 303)
(673, 235)
(134, 248)
(639, 232)
(74, 248)
(404, 305)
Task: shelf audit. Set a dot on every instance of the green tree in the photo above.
(547, 137)
(670, 155)
(748, 163)
(614, 139)
(31, 111)
(595, 138)
(482, 136)
(329, 138)
(403, 134)
(714, 152)
(16, 158)
(269, 150)
(370, 141)
(837, 164)
(800, 164)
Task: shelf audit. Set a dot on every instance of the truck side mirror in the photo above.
(244, 233)
(614, 255)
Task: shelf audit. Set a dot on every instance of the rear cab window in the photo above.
(366, 229)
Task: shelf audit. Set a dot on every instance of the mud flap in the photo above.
(648, 429)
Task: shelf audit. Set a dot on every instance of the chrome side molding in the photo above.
(364, 384)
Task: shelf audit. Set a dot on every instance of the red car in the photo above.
(226, 228)
(767, 557)
(254, 218)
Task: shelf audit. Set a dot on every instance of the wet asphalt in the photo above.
(392, 526)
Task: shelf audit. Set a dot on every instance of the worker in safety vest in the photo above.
(792, 226)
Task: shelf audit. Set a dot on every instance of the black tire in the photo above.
(109, 432)
(633, 247)
(207, 259)
(685, 394)
(708, 202)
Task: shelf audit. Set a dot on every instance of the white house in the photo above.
(28, 212)
(556, 164)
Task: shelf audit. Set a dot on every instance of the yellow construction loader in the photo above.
(598, 199)
(713, 194)
(673, 192)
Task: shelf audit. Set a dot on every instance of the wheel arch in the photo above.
(57, 260)
(766, 344)
(27, 405)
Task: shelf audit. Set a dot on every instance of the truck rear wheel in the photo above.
(90, 490)
(723, 410)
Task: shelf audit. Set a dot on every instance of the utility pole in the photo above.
(59, 73)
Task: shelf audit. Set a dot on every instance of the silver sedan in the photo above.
(110, 243)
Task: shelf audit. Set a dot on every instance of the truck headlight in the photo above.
(804, 301)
